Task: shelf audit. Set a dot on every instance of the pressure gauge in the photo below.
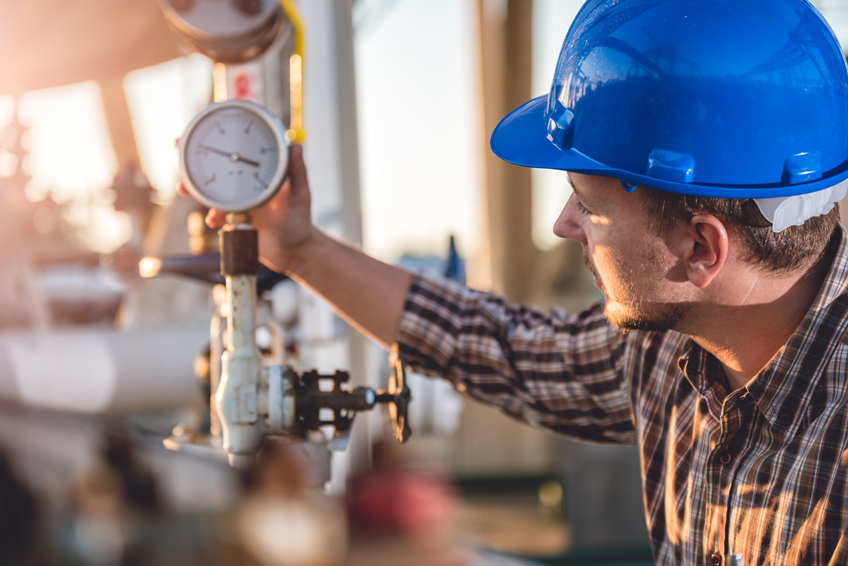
(233, 156)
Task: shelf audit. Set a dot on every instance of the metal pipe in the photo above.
(237, 395)
(236, 399)
(102, 371)
(296, 133)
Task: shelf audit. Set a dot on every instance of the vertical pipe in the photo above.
(348, 152)
(219, 82)
(241, 320)
(505, 28)
(296, 133)
(236, 399)
(333, 159)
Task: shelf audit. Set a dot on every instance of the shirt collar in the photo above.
(704, 373)
(784, 389)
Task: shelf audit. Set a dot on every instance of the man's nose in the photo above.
(569, 223)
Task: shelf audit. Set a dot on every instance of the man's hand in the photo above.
(284, 223)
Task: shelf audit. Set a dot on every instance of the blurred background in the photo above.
(96, 360)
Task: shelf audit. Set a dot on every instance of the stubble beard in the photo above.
(636, 314)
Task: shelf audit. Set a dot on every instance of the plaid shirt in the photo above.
(760, 471)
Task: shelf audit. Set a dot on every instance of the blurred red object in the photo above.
(391, 502)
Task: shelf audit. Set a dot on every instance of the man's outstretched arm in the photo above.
(556, 371)
(366, 292)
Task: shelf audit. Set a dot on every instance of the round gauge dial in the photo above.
(233, 156)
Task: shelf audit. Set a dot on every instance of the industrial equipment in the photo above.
(233, 158)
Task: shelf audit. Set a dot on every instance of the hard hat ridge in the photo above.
(714, 98)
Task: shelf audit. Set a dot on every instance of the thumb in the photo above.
(297, 167)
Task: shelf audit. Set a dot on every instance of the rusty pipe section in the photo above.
(237, 398)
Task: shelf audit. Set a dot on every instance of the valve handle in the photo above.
(204, 267)
(399, 396)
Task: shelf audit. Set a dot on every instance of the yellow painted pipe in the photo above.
(296, 132)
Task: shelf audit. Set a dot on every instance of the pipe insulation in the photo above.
(102, 371)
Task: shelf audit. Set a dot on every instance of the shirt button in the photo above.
(716, 559)
(726, 458)
(786, 419)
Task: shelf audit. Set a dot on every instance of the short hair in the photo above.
(793, 249)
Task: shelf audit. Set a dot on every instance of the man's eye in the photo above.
(583, 210)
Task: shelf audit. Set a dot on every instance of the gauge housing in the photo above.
(234, 127)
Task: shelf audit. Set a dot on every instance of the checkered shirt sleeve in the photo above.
(550, 370)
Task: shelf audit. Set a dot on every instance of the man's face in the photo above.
(633, 268)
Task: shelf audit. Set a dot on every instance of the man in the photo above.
(706, 142)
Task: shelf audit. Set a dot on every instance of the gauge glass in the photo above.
(232, 156)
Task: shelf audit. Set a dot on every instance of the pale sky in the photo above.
(419, 123)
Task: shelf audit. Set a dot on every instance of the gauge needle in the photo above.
(232, 156)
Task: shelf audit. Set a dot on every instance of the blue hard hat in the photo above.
(721, 98)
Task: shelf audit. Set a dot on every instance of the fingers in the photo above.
(297, 167)
(216, 218)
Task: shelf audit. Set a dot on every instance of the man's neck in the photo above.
(746, 333)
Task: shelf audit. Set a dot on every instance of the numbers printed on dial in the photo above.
(232, 156)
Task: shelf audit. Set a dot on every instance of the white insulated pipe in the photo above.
(102, 371)
(237, 396)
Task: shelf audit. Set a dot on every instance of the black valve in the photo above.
(310, 398)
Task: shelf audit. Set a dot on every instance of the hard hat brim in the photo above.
(521, 138)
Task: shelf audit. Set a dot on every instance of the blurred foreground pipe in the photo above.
(102, 371)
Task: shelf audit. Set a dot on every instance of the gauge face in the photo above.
(233, 156)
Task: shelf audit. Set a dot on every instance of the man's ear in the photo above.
(707, 251)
